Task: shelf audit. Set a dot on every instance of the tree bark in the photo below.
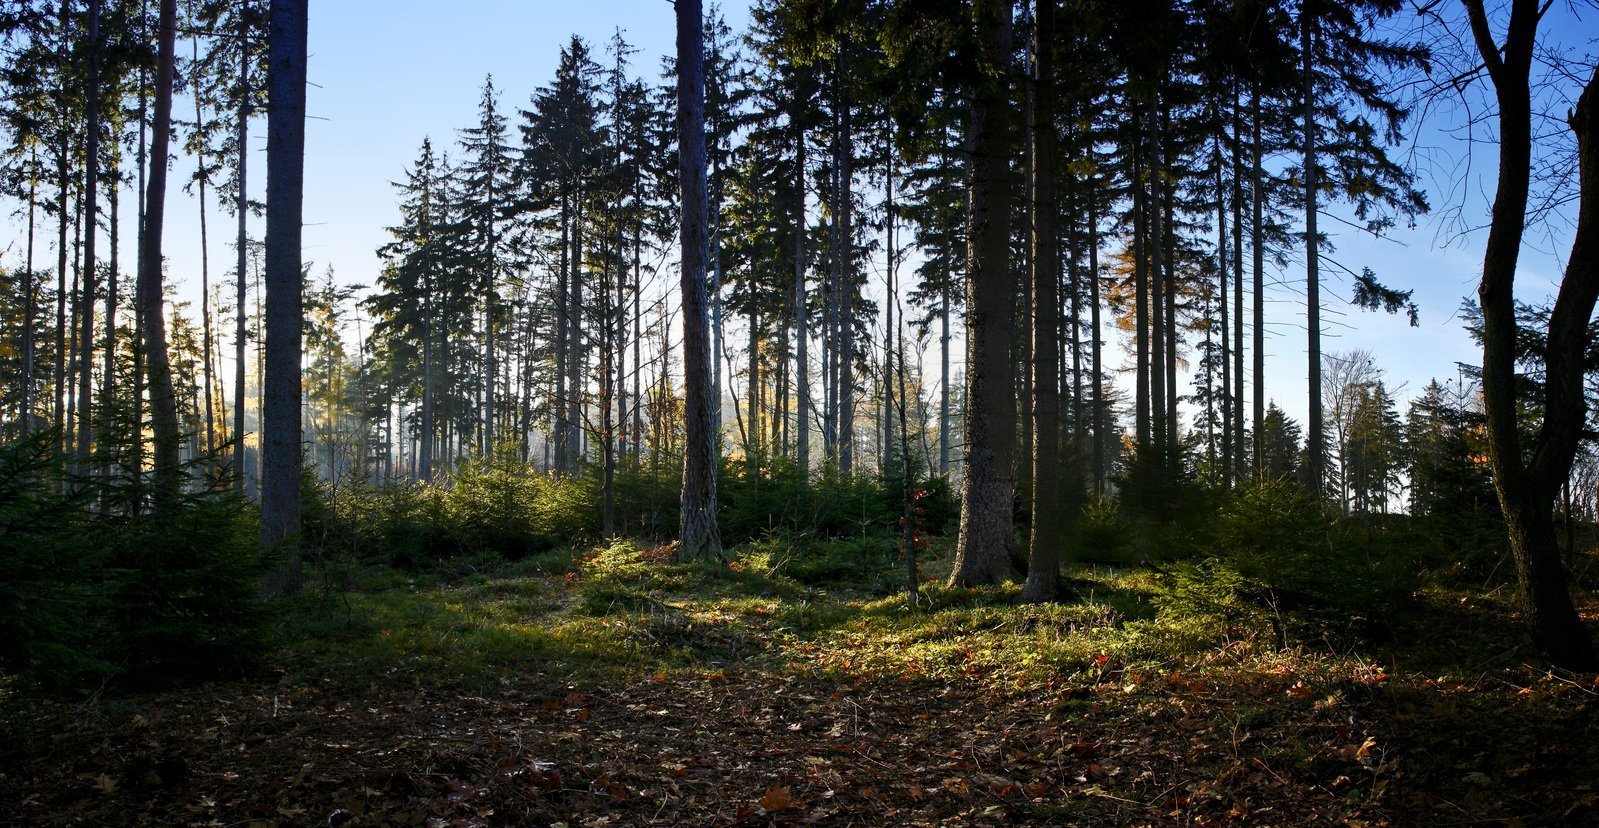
(163, 402)
(987, 498)
(698, 535)
(281, 455)
(1043, 572)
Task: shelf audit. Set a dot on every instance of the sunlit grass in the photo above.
(622, 610)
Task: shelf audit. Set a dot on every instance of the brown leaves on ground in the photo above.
(757, 747)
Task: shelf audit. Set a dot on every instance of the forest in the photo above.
(843, 412)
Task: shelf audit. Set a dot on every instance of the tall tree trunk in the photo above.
(163, 402)
(243, 242)
(1169, 275)
(205, 253)
(1043, 571)
(1257, 245)
(30, 310)
(802, 335)
(114, 265)
(1225, 319)
(1097, 356)
(943, 377)
(1142, 430)
(91, 190)
(698, 535)
(280, 428)
(1528, 488)
(986, 524)
(563, 342)
(575, 361)
(1315, 439)
(63, 221)
(1238, 293)
(846, 287)
(1155, 241)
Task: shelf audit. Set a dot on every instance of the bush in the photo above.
(99, 596)
(1273, 531)
(495, 505)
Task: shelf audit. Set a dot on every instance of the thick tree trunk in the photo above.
(1043, 572)
(280, 428)
(698, 535)
(163, 402)
(987, 498)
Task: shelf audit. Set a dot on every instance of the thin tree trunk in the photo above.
(30, 304)
(108, 374)
(802, 336)
(1156, 248)
(943, 378)
(205, 254)
(91, 190)
(1257, 243)
(1226, 320)
(1238, 294)
(846, 288)
(1097, 355)
(63, 166)
(1315, 445)
(242, 275)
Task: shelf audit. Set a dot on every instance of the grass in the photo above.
(621, 611)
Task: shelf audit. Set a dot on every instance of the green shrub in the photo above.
(51, 601)
(1273, 531)
(91, 597)
(183, 602)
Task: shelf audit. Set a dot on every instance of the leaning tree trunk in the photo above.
(1528, 489)
(163, 401)
(987, 519)
(1043, 571)
(280, 428)
(699, 539)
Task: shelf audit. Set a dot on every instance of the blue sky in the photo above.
(386, 74)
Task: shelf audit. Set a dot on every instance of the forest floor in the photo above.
(615, 689)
